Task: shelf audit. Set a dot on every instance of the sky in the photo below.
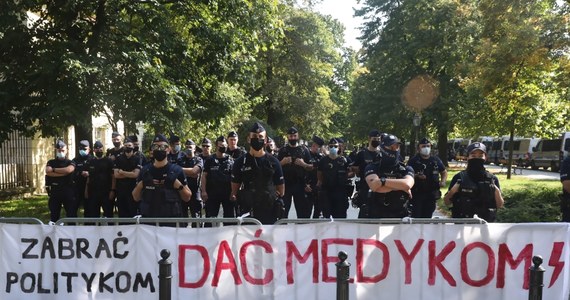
(343, 11)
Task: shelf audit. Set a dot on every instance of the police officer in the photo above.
(59, 181)
(100, 188)
(126, 170)
(192, 166)
(363, 158)
(390, 182)
(80, 174)
(206, 149)
(270, 147)
(258, 178)
(295, 161)
(114, 152)
(175, 150)
(474, 191)
(311, 179)
(332, 175)
(161, 186)
(136, 148)
(427, 169)
(233, 149)
(565, 197)
(216, 182)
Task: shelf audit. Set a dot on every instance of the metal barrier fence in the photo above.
(178, 222)
(386, 221)
(15, 156)
(21, 221)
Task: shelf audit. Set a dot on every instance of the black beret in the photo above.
(128, 140)
(257, 128)
(60, 144)
(84, 143)
(206, 141)
(232, 134)
(159, 138)
(333, 141)
(115, 134)
(221, 138)
(174, 139)
(133, 138)
(318, 140)
(425, 141)
(190, 142)
(98, 145)
(374, 133)
(292, 130)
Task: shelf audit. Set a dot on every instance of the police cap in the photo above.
(98, 145)
(333, 141)
(206, 141)
(292, 130)
(340, 140)
(174, 139)
(159, 138)
(128, 140)
(424, 141)
(374, 133)
(84, 144)
(221, 138)
(133, 138)
(232, 134)
(115, 134)
(476, 146)
(60, 144)
(189, 142)
(390, 140)
(318, 140)
(257, 128)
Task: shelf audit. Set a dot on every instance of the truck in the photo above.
(549, 153)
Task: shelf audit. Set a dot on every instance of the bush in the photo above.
(532, 204)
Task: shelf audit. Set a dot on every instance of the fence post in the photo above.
(342, 276)
(536, 279)
(164, 275)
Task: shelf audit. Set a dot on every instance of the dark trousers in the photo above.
(334, 202)
(62, 195)
(213, 206)
(97, 200)
(313, 199)
(126, 206)
(302, 205)
(423, 204)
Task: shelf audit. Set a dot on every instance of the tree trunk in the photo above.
(442, 146)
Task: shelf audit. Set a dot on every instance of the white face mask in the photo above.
(425, 151)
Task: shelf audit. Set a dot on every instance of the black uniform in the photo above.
(218, 186)
(392, 204)
(159, 198)
(113, 153)
(425, 192)
(236, 153)
(126, 206)
(565, 197)
(259, 177)
(475, 196)
(295, 180)
(332, 197)
(61, 191)
(80, 181)
(195, 203)
(173, 158)
(363, 159)
(311, 181)
(99, 186)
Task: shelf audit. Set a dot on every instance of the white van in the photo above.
(522, 149)
(549, 153)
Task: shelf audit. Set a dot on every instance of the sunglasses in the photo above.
(159, 147)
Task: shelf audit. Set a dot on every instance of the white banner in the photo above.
(283, 262)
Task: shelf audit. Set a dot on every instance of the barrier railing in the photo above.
(155, 221)
(387, 221)
(342, 276)
(164, 276)
(21, 221)
(536, 276)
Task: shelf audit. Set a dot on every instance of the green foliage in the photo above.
(534, 203)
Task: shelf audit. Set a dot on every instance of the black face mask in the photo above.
(117, 144)
(375, 143)
(136, 148)
(222, 149)
(159, 155)
(256, 144)
(476, 168)
(390, 158)
(292, 142)
(128, 150)
(99, 154)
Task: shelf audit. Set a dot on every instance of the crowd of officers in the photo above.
(180, 180)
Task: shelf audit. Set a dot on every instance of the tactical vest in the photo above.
(475, 198)
(159, 201)
(292, 172)
(430, 170)
(392, 204)
(258, 191)
(335, 176)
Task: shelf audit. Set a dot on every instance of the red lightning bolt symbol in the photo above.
(555, 261)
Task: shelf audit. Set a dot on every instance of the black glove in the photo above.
(279, 208)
